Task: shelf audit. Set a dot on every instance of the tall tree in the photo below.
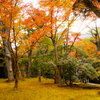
(34, 27)
(58, 14)
(10, 16)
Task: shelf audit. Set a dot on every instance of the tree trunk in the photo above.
(58, 72)
(67, 36)
(8, 61)
(16, 74)
(29, 63)
(56, 77)
(70, 81)
(15, 57)
(39, 69)
(98, 45)
(39, 74)
(7, 54)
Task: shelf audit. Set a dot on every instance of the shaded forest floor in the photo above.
(31, 89)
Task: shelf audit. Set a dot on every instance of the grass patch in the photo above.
(31, 89)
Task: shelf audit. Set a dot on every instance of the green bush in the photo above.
(34, 69)
(86, 71)
(48, 69)
(68, 67)
(45, 63)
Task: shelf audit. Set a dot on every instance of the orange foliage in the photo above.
(9, 12)
(72, 54)
(87, 46)
(35, 22)
(58, 12)
(96, 3)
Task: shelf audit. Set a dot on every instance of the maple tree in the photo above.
(57, 20)
(10, 22)
(33, 25)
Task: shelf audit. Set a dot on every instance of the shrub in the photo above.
(68, 67)
(46, 64)
(86, 71)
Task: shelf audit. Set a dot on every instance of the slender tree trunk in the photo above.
(16, 73)
(98, 45)
(67, 35)
(16, 67)
(16, 77)
(58, 72)
(39, 69)
(29, 63)
(70, 77)
(56, 76)
(15, 57)
(53, 38)
(39, 74)
(70, 81)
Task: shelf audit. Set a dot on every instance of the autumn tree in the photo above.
(3, 29)
(58, 13)
(11, 22)
(33, 26)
